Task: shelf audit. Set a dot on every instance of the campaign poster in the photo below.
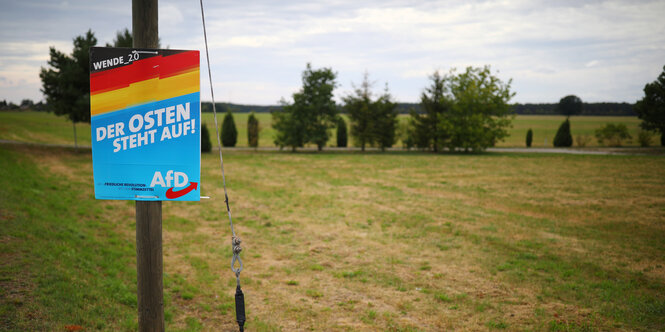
(145, 112)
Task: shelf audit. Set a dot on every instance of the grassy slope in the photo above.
(351, 241)
(62, 262)
(41, 128)
(67, 259)
(47, 128)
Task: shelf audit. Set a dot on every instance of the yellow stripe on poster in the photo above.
(144, 92)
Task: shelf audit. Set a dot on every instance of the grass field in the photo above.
(39, 127)
(47, 128)
(545, 127)
(348, 241)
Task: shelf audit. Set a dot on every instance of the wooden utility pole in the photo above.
(149, 260)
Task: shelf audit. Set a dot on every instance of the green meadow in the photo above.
(343, 241)
(47, 128)
(40, 127)
(545, 126)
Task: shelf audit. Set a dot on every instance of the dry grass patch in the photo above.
(413, 241)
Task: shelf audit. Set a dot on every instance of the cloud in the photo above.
(606, 50)
(591, 63)
(414, 73)
(170, 14)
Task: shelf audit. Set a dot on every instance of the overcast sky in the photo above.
(598, 50)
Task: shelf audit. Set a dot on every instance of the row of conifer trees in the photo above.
(229, 134)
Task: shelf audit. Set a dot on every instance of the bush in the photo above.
(206, 145)
(405, 133)
(342, 137)
(229, 133)
(563, 137)
(529, 138)
(613, 134)
(582, 140)
(252, 130)
(644, 137)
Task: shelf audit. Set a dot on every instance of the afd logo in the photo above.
(179, 180)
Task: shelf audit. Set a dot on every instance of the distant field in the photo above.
(48, 128)
(545, 126)
(544, 129)
(347, 242)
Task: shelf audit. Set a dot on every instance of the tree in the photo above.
(372, 121)
(4, 105)
(613, 134)
(563, 138)
(27, 104)
(123, 38)
(66, 84)
(359, 106)
(570, 105)
(229, 132)
(529, 138)
(425, 133)
(651, 108)
(206, 145)
(312, 114)
(478, 113)
(289, 129)
(342, 137)
(385, 123)
(252, 130)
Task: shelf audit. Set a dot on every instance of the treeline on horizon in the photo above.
(588, 109)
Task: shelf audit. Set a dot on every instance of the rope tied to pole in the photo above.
(235, 240)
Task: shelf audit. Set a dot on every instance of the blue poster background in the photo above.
(132, 173)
